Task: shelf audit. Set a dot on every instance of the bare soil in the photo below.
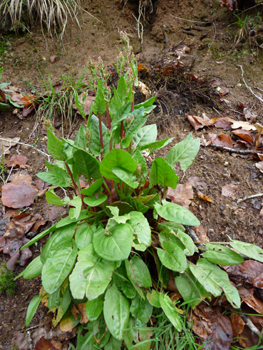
(209, 59)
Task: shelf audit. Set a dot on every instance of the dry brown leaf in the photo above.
(249, 116)
(197, 182)
(17, 161)
(247, 295)
(245, 272)
(200, 122)
(5, 145)
(259, 165)
(221, 140)
(211, 326)
(237, 324)
(201, 233)
(243, 125)
(48, 344)
(223, 90)
(229, 190)
(244, 134)
(144, 90)
(224, 123)
(182, 195)
(205, 198)
(53, 212)
(82, 310)
(53, 58)
(19, 193)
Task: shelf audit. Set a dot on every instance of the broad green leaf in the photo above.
(145, 104)
(4, 107)
(144, 136)
(99, 102)
(141, 336)
(142, 170)
(172, 256)
(162, 174)
(76, 202)
(153, 146)
(250, 250)
(123, 113)
(63, 306)
(170, 311)
(55, 146)
(141, 310)
(128, 290)
(84, 235)
(32, 308)
(170, 226)
(94, 308)
(116, 246)
(94, 188)
(91, 274)
(80, 107)
(116, 158)
(138, 121)
(138, 272)
(87, 165)
(101, 333)
(32, 270)
(114, 210)
(116, 311)
(186, 240)
(220, 255)
(153, 298)
(94, 144)
(113, 344)
(174, 212)
(80, 139)
(141, 230)
(52, 198)
(54, 298)
(221, 278)
(94, 201)
(61, 239)
(62, 223)
(57, 177)
(184, 152)
(125, 176)
(57, 267)
(163, 272)
(191, 290)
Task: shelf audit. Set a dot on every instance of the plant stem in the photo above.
(100, 128)
(76, 189)
(108, 117)
(121, 129)
(132, 107)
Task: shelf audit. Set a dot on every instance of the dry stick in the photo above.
(249, 88)
(25, 144)
(239, 151)
(250, 197)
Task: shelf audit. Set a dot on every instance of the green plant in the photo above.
(54, 14)
(122, 241)
(7, 284)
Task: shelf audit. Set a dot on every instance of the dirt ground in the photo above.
(213, 57)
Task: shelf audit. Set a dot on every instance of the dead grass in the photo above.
(53, 14)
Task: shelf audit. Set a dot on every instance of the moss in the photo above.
(7, 284)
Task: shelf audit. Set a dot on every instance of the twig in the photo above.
(250, 324)
(233, 150)
(250, 197)
(232, 109)
(25, 144)
(29, 329)
(188, 20)
(242, 72)
(10, 172)
(221, 115)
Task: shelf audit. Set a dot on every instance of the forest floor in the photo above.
(211, 51)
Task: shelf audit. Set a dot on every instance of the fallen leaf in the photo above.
(82, 310)
(246, 272)
(17, 161)
(182, 195)
(200, 122)
(237, 324)
(244, 134)
(223, 90)
(211, 326)
(205, 198)
(247, 296)
(224, 123)
(229, 190)
(221, 140)
(197, 182)
(19, 193)
(144, 90)
(86, 101)
(249, 116)
(7, 144)
(259, 165)
(242, 125)
(53, 212)
(201, 233)
(47, 344)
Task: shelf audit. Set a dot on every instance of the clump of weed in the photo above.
(7, 284)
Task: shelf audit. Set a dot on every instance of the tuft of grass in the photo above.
(53, 14)
(7, 284)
